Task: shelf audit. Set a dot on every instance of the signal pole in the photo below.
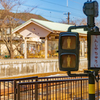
(90, 9)
(91, 25)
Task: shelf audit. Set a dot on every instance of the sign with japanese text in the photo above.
(93, 44)
(95, 51)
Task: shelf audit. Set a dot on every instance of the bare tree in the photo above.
(76, 22)
(83, 21)
(8, 23)
(9, 39)
(8, 5)
(70, 22)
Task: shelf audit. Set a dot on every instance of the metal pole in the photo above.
(36, 91)
(15, 89)
(90, 21)
(76, 27)
(91, 87)
(91, 24)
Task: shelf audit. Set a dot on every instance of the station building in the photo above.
(41, 38)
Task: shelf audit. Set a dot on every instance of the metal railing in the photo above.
(46, 88)
(8, 87)
(69, 89)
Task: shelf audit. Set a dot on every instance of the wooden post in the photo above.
(46, 46)
(25, 48)
(83, 49)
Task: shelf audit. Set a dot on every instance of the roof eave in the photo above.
(30, 21)
(46, 28)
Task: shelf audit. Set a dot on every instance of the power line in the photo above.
(61, 5)
(50, 10)
(76, 2)
(56, 17)
(44, 8)
(50, 16)
(60, 12)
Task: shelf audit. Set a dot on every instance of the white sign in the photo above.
(95, 51)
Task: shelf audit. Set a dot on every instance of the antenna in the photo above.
(67, 3)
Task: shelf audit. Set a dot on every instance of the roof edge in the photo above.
(28, 22)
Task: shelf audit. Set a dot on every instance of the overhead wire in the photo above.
(50, 10)
(50, 16)
(76, 2)
(64, 6)
(60, 5)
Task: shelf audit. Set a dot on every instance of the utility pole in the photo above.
(68, 17)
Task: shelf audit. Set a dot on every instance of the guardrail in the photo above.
(8, 87)
(46, 88)
(69, 89)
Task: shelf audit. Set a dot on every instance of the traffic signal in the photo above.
(68, 51)
(91, 8)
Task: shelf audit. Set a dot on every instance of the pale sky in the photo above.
(54, 9)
